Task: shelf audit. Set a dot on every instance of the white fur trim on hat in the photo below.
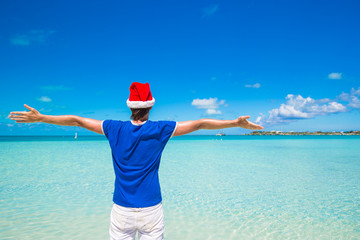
(140, 104)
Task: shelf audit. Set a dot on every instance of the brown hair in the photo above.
(139, 113)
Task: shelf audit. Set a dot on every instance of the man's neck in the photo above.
(140, 121)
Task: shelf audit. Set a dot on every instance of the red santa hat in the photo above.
(140, 96)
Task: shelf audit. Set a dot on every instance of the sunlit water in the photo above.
(238, 188)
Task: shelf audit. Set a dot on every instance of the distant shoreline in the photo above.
(316, 133)
(227, 136)
(252, 136)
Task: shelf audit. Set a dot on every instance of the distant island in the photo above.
(303, 133)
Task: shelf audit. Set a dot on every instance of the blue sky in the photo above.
(290, 65)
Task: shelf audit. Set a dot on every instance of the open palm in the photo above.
(244, 123)
(26, 116)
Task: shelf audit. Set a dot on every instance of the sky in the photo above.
(290, 65)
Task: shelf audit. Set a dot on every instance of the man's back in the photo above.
(136, 152)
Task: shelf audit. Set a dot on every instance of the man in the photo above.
(136, 147)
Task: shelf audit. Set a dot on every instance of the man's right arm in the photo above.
(65, 120)
(191, 126)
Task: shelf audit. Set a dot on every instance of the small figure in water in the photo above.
(136, 148)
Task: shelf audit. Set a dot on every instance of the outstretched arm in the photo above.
(191, 126)
(66, 120)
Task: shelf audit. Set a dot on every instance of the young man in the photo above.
(136, 147)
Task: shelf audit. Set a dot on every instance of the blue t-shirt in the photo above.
(136, 152)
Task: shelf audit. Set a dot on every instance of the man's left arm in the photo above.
(34, 115)
(191, 126)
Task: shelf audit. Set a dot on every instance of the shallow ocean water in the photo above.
(257, 187)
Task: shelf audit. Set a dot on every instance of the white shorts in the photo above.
(148, 222)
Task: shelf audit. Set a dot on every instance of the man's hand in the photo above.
(244, 123)
(26, 117)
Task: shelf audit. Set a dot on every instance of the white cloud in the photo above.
(352, 98)
(335, 75)
(355, 92)
(33, 36)
(210, 104)
(44, 99)
(20, 40)
(297, 107)
(207, 103)
(213, 111)
(256, 85)
(222, 102)
(354, 102)
(210, 10)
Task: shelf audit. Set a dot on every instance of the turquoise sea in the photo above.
(230, 187)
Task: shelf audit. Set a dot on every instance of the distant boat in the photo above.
(75, 136)
(221, 134)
